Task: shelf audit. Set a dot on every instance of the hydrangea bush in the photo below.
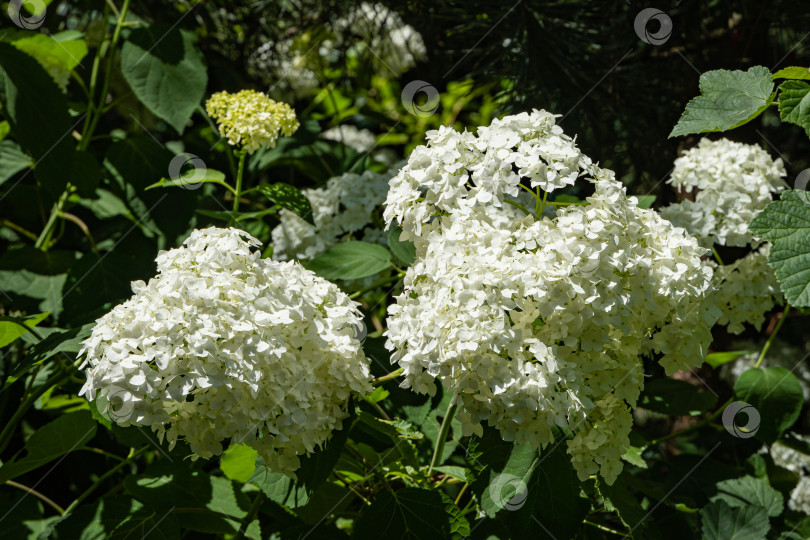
(229, 316)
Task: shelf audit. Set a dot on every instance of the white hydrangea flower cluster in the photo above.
(286, 66)
(538, 323)
(345, 205)
(362, 140)
(733, 182)
(224, 345)
(250, 119)
(745, 290)
(799, 464)
(396, 44)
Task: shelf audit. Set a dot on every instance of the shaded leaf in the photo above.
(777, 396)
(289, 197)
(351, 260)
(719, 521)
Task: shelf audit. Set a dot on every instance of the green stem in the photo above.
(447, 421)
(104, 477)
(772, 336)
(239, 173)
(251, 515)
(385, 378)
(379, 283)
(45, 235)
(694, 427)
(38, 495)
(717, 256)
(518, 205)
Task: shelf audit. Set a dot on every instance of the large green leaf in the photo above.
(776, 395)
(12, 160)
(408, 513)
(750, 491)
(405, 251)
(238, 462)
(38, 113)
(58, 56)
(719, 521)
(166, 72)
(786, 224)
(165, 485)
(50, 442)
(351, 260)
(675, 398)
(792, 72)
(12, 328)
(728, 99)
(794, 104)
(314, 470)
(289, 197)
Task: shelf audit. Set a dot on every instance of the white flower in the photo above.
(344, 206)
(744, 291)
(799, 464)
(732, 182)
(361, 140)
(397, 45)
(225, 345)
(538, 322)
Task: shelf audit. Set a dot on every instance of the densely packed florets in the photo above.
(345, 205)
(538, 322)
(731, 182)
(250, 119)
(225, 345)
(744, 291)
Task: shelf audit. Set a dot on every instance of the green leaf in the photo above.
(634, 456)
(166, 72)
(63, 435)
(645, 201)
(776, 395)
(58, 58)
(164, 485)
(10, 330)
(675, 398)
(289, 197)
(66, 343)
(750, 491)
(315, 469)
(406, 513)
(12, 160)
(719, 521)
(37, 110)
(351, 260)
(728, 100)
(405, 251)
(719, 358)
(619, 499)
(459, 526)
(792, 72)
(794, 104)
(238, 462)
(786, 224)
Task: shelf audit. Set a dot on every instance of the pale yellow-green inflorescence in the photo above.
(251, 120)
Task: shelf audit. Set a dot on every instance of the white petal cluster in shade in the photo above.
(224, 345)
(395, 44)
(250, 119)
(346, 205)
(362, 140)
(745, 290)
(797, 463)
(731, 183)
(539, 322)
